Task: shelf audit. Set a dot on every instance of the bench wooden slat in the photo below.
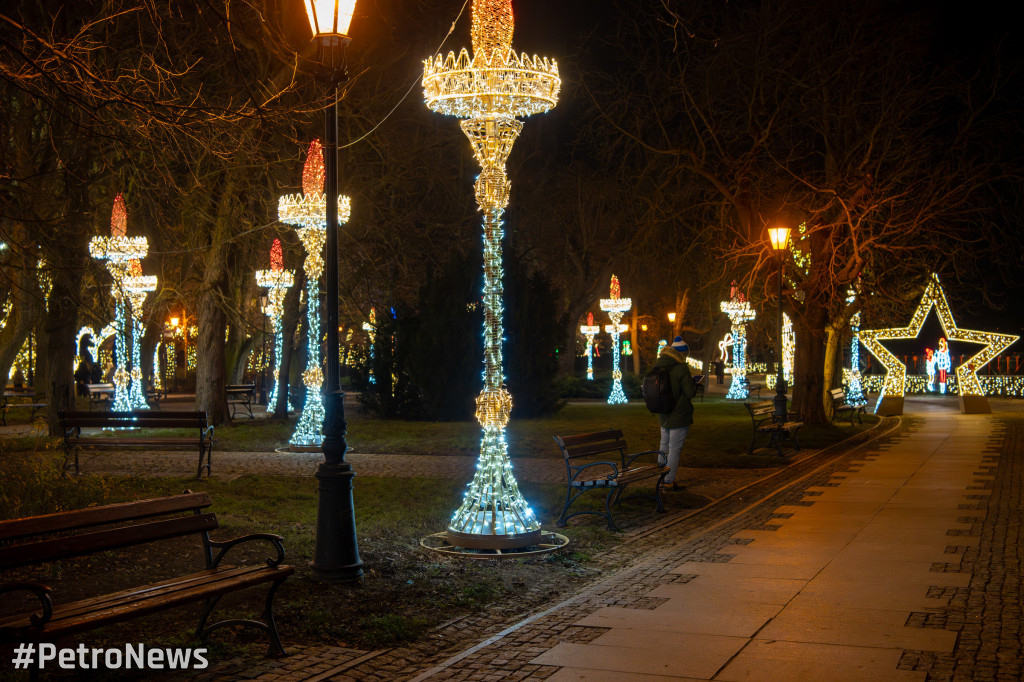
(143, 441)
(596, 449)
(60, 522)
(589, 437)
(111, 608)
(87, 543)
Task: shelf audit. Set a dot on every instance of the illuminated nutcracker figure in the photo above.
(308, 212)
(615, 307)
(739, 311)
(590, 330)
(119, 250)
(489, 90)
(942, 363)
(136, 287)
(277, 280)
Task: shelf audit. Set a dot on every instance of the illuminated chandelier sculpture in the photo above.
(119, 250)
(854, 389)
(615, 307)
(136, 287)
(739, 311)
(277, 280)
(489, 90)
(972, 395)
(590, 330)
(308, 212)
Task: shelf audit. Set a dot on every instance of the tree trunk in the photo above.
(211, 384)
(60, 351)
(809, 388)
(634, 340)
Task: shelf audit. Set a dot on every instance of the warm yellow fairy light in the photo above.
(489, 90)
(894, 385)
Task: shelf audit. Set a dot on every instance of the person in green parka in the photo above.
(676, 424)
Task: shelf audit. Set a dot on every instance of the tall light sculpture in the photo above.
(136, 287)
(277, 281)
(855, 390)
(779, 237)
(590, 330)
(489, 90)
(118, 250)
(306, 211)
(739, 311)
(336, 554)
(615, 307)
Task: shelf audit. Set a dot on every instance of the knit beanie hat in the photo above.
(679, 345)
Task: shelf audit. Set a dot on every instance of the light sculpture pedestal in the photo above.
(118, 250)
(308, 212)
(489, 90)
(136, 287)
(739, 311)
(277, 281)
(616, 307)
(590, 330)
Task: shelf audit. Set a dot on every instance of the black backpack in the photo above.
(657, 390)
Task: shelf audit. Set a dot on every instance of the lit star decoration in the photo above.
(137, 286)
(615, 307)
(489, 90)
(968, 385)
(277, 280)
(119, 250)
(308, 212)
(739, 311)
(590, 330)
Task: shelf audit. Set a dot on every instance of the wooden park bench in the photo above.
(72, 424)
(240, 397)
(700, 383)
(762, 414)
(840, 407)
(613, 477)
(100, 394)
(20, 397)
(36, 540)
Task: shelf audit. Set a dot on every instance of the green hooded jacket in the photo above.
(683, 388)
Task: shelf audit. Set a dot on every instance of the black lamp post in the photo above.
(779, 237)
(336, 556)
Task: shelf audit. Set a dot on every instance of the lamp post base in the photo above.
(780, 399)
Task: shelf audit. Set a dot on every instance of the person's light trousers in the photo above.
(671, 445)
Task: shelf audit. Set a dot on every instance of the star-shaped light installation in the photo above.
(308, 213)
(972, 396)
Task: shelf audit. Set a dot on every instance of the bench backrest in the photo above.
(838, 395)
(242, 387)
(83, 531)
(99, 387)
(761, 409)
(592, 444)
(141, 419)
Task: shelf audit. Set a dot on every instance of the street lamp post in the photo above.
(336, 556)
(779, 237)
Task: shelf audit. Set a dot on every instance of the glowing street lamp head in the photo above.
(779, 237)
(671, 317)
(330, 18)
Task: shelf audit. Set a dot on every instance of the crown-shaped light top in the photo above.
(119, 218)
(313, 171)
(492, 27)
(276, 256)
(616, 303)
